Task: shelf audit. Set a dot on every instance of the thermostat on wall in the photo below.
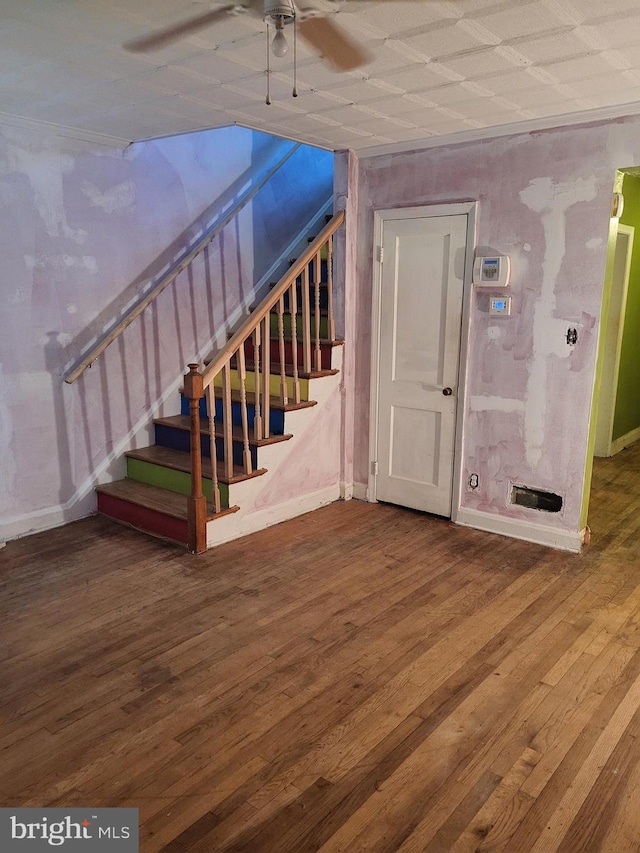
(500, 305)
(491, 271)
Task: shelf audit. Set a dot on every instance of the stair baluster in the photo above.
(215, 486)
(316, 284)
(197, 503)
(227, 426)
(332, 324)
(257, 419)
(284, 390)
(242, 370)
(306, 321)
(266, 378)
(293, 312)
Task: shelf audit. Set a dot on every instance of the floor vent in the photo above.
(536, 499)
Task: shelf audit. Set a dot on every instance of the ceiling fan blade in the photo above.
(331, 41)
(167, 35)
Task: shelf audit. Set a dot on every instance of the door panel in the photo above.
(420, 310)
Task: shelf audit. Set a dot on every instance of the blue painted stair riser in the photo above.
(276, 417)
(180, 439)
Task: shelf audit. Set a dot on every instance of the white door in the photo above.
(421, 291)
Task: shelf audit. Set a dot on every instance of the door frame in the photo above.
(604, 444)
(468, 209)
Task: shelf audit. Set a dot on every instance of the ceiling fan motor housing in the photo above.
(278, 9)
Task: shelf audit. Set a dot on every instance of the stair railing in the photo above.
(304, 319)
(190, 255)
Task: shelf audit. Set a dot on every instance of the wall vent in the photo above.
(536, 499)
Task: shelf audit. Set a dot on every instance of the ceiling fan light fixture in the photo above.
(279, 46)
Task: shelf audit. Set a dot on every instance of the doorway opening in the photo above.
(614, 449)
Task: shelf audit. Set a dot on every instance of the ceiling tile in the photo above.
(445, 41)
(578, 68)
(522, 19)
(396, 106)
(553, 47)
(622, 32)
(538, 97)
(417, 78)
(481, 62)
(596, 8)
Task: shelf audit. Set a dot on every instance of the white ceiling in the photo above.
(441, 68)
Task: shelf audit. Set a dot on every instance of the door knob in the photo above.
(447, 392)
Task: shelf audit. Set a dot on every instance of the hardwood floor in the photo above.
(364, 678)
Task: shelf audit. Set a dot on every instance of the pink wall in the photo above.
(544, 199)
(83, 228)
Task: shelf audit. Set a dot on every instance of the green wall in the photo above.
(627, 412)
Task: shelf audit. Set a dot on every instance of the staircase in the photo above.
(255, 389)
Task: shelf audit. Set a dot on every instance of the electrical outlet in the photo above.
(474, 481)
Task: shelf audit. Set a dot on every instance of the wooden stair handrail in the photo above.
(130, 315)
(262, 311)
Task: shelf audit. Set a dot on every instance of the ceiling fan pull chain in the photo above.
(268, 72)
(295, 56)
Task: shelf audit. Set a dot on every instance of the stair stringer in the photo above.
(255, 497)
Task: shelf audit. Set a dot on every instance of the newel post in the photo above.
(197, 502)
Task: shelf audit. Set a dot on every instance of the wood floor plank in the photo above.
(363, 678)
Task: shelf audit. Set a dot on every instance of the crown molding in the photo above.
(600, 114)
(33, 124)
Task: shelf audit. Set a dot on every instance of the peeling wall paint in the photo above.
(544, 199)
(84, 230)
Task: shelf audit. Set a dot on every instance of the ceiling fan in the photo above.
(311, 17)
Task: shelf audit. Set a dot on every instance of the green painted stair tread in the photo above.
(274, 325)
(323, 285)
(172, 478)
(288, 369)
(183, 422)
(156, 499)
(181, 461)
(274, 402)
(324, 312)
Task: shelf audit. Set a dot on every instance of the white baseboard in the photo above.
(50, 517)
(361, 491)
(218, 532)
(346, 491)
(624, 441)
(529, 531)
